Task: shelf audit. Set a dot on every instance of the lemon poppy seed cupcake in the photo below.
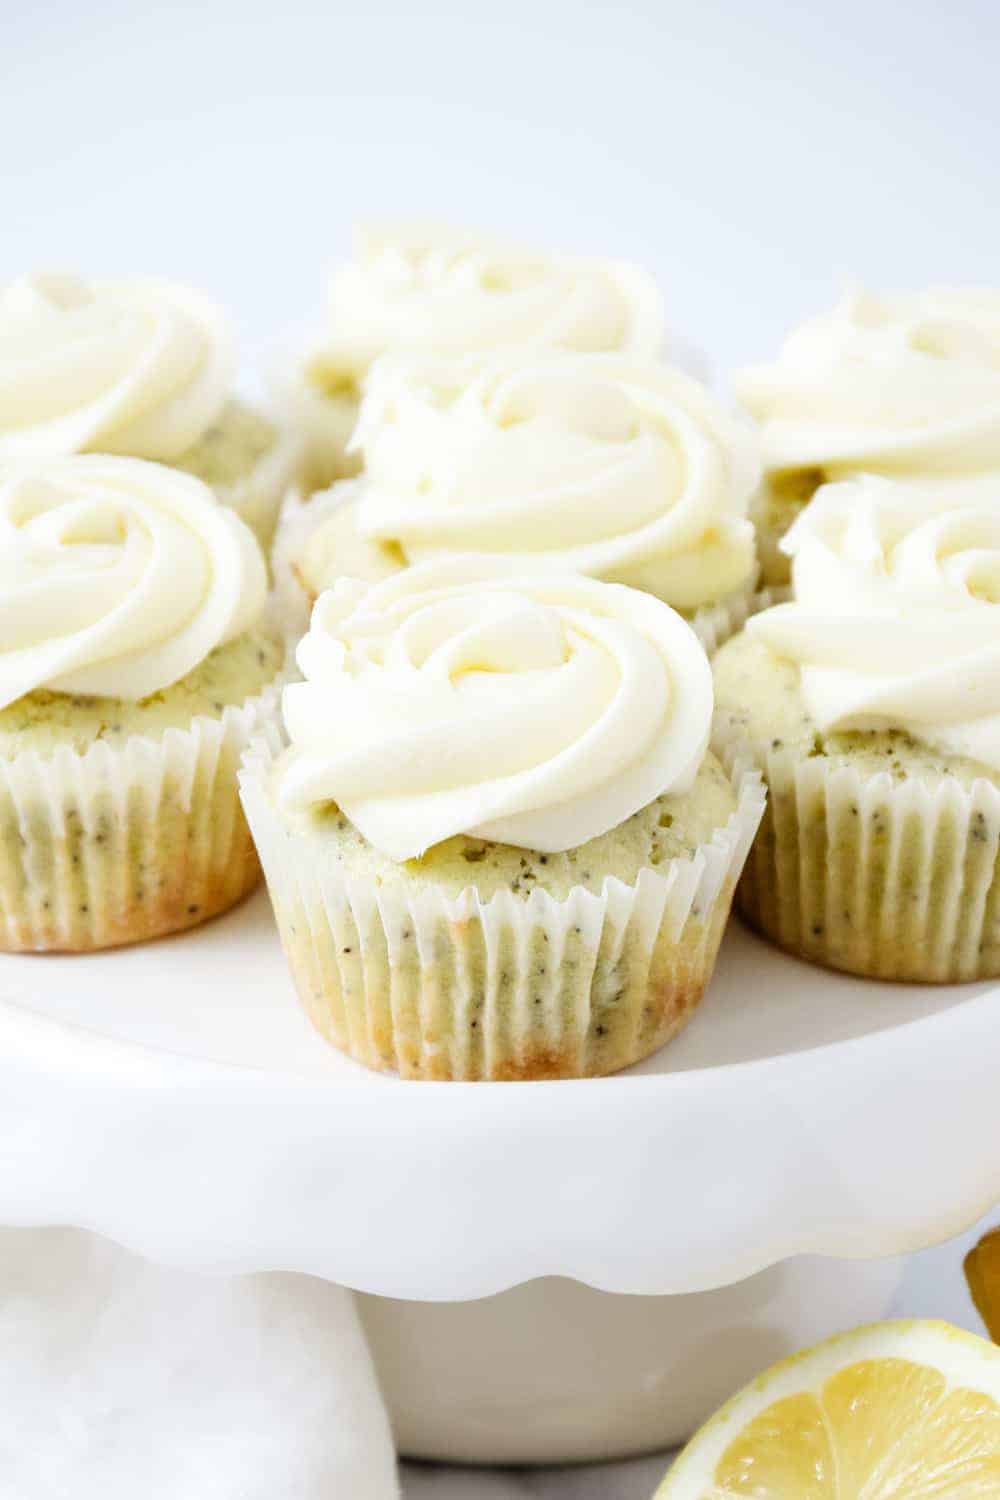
(621, 469)
(137, 659)
(141, 368)
(871, 705)
(430, 290)
(494, 840)
(906, 386)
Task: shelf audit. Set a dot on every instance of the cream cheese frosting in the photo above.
(430, 289)
(472, 696)
(902, 385)
(139, 367)
(622, 469)
(117, 577)
(896, 616)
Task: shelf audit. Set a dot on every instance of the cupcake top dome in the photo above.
(431, 289)
(139, 367)
(471, 695)
(896, 616)
(901, 384)
(117, 577)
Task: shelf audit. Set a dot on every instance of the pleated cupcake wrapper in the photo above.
(121, 843)
(256, 497)
(441, 987)
(891, 879)
(714, 624)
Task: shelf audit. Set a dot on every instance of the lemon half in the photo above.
(895, 1411)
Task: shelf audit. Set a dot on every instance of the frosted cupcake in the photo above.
(497, 847)
(871, 703)
(622, 469)
(906, 386)
(135, 367)
(137, 660)
(431, 290)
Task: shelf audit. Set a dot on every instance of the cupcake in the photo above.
(137, 660)
(430, 290)
(871, 704)
(905, 386)
(622, 469)
(140, 368)
(495, 842)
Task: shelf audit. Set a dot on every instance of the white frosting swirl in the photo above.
(433, 290)
(469, 696)
(622, 469)
(117, 577)
(136, 367)
(904, 385)
(896, 622)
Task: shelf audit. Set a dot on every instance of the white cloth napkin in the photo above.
(120, 1379)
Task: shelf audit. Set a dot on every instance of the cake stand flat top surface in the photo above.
(174, 1097)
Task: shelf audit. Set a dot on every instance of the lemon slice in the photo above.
(896, 1411)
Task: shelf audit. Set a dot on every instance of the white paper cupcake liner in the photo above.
(256, 496)
(890, 879)
(440, 987)
(122, 843)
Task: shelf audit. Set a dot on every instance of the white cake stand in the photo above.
(173, 1097)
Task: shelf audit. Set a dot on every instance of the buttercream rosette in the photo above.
(468, 717)
(139, 367)
(621, 469)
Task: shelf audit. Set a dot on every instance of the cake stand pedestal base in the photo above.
(555, 1372)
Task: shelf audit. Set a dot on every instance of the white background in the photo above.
(754, 155)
